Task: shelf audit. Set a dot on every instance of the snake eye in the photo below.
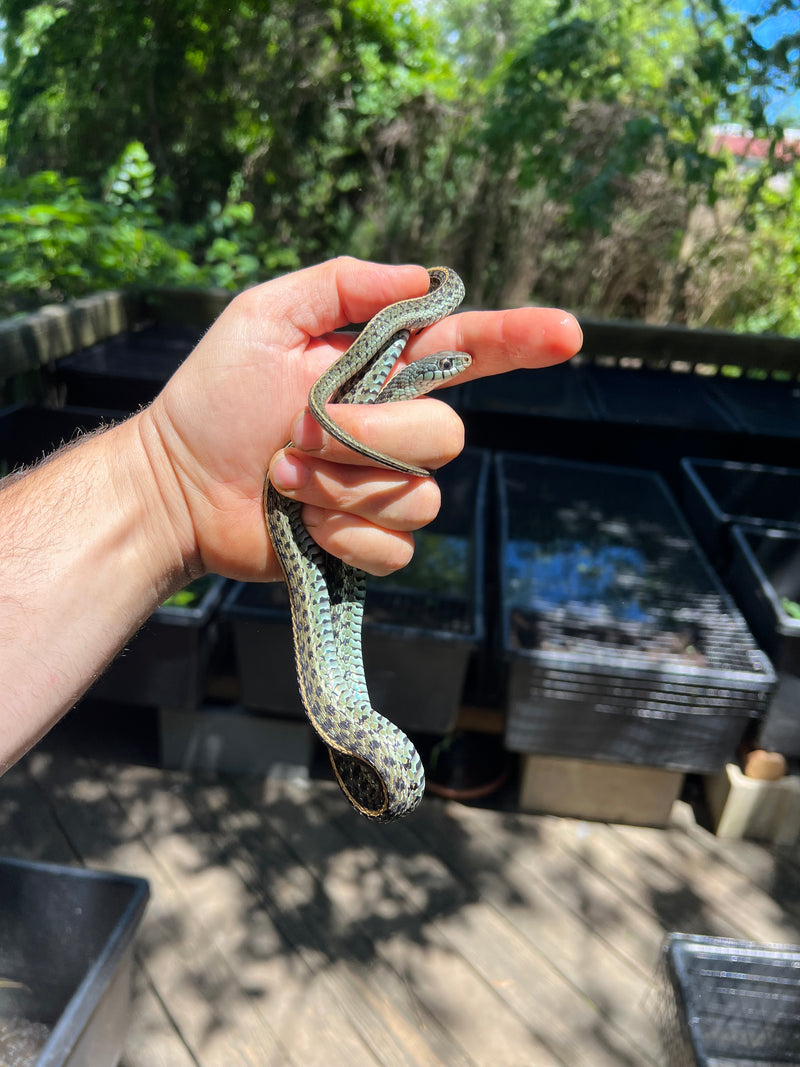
(447, 364)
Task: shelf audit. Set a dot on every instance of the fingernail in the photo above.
(307, 433)
(288, 472)
(572, 324)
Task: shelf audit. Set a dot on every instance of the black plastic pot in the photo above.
(66, 943)
(421, 625)
(464, 766)
(165, 663)
(717, 494)
(765, 578)
(620, 643)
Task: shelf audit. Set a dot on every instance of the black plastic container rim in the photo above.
(618, 663)
(196, 614)
(116, 415)
(107, 417)
(79, 1009)
(756, 679)
(680, 948)
(722, 947)
(233, 610)
(475, 395)
(692, 467)
(741, 536)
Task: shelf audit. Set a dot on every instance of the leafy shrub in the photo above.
(57, 243)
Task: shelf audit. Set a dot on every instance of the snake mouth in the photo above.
(361, 784)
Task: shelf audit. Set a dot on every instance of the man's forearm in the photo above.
(85, 557)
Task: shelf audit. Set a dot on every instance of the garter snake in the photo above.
(374, 762)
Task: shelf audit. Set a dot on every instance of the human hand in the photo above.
(226, 415)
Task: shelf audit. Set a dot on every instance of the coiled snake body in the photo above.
(376, 765)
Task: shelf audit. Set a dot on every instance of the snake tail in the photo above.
(376, 765)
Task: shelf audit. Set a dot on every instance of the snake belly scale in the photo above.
(374, 762)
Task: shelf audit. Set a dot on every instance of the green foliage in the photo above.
(766, 299)
(130, 184)
(602, 61)
(192, 594)
(554, 149)
(55, 243)
(235, 252)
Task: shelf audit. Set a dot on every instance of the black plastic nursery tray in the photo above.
(127, 371)
(29, 432)
(621, 645)
(765, 579)
(763, 408)
(719, 493)
(558, 392)
(656, 398)
(65, 963)
(730, 1003)
(420, 627)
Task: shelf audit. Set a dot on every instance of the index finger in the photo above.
(314, 301)
(501, 341)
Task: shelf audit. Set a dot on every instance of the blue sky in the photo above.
(786, 23)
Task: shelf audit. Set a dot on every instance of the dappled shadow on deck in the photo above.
(283, 927)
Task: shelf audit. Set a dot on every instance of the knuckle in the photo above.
(397, 553)
(344, 261)
(428, 502)
(455, 431)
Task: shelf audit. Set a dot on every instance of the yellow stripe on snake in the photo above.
(375, 763)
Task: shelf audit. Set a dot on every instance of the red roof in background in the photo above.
(746, 146)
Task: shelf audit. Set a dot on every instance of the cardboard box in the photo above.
(605, 792)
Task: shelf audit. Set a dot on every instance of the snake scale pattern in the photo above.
(374, 762)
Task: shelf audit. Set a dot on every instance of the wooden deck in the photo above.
(284, 930)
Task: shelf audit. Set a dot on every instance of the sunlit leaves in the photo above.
(558, 149)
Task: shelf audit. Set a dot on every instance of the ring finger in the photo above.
(382, 498)
(360, 543)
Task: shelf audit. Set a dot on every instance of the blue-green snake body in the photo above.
(376, 765)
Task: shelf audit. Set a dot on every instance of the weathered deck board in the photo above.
(212, 1012)
(380, 1003)
(599, 994)
(31, 830)
(372, 886)
(295, 989)
(504, 929)
(724, 894)
(284, 930)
